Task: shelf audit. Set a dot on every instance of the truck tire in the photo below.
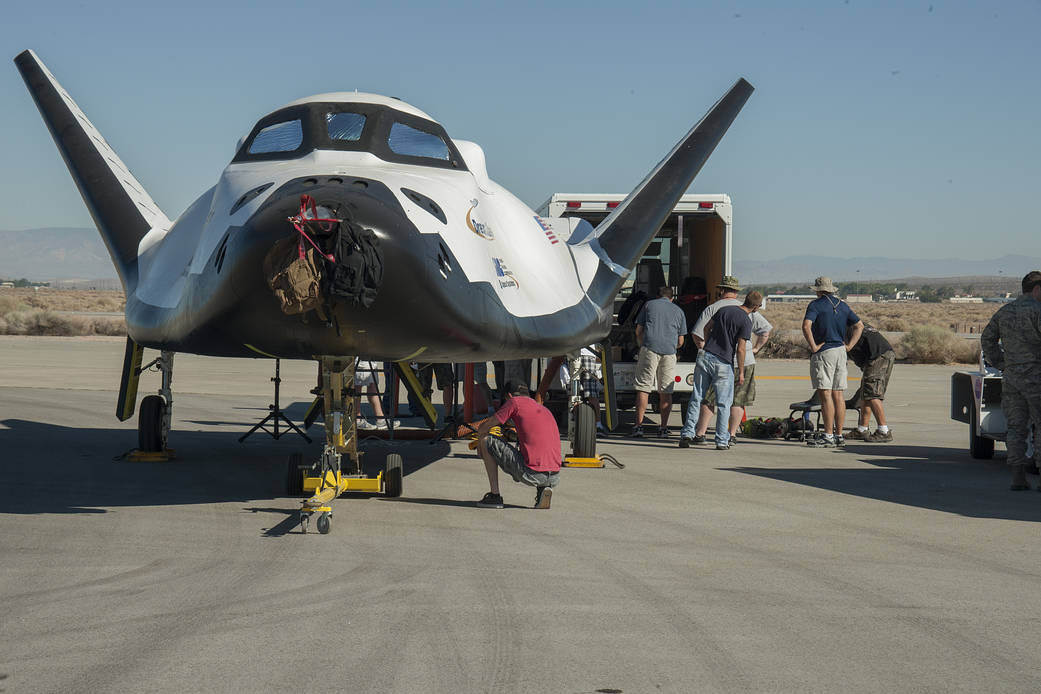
(980, 447)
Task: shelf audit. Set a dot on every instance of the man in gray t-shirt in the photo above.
(660, 326)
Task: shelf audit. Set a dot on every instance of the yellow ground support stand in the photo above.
(151, 456)
(329, 480)
(599, 461)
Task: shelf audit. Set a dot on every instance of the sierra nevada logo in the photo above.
(482, 230)
(504, 275)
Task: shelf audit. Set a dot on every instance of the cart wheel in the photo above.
(295, 476)
(324, 522)
(304, 520)
(980, 447)
(393, 479)
(150, 424)
(585, 431)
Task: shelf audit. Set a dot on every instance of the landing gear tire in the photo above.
(295, 476)
(393, 478)
(150, 424)
(980, 447)
(324, 522)
(585, 431)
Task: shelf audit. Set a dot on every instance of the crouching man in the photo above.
(536, 463)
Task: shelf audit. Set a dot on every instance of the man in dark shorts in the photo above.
(726, 336)
(535, 461)
(874, 356)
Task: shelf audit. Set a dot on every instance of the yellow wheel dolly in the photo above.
(325, 480)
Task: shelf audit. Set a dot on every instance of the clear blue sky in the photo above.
(900, 129)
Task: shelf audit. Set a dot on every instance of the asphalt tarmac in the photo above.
(771, 567)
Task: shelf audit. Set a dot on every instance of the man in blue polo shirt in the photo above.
(824, 328)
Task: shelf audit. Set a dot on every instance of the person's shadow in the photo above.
(942, 479)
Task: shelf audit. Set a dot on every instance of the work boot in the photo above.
(543, 497)
(1019, 478)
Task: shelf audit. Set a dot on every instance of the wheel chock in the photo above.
(597, 462)
(151, 456)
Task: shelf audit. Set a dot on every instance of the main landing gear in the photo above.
(155, 415)
(327, 478)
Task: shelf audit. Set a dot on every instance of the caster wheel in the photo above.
(324, 523)
(304, 520)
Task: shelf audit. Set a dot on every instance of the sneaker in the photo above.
(840, 441)
(685, 441)
(722, 446)
(818, 441)
(543, 495)
(878, 437)
(382, 424)
(366, 425)
(858, 435)
(490, 500)
(663, 432)
(637, 432)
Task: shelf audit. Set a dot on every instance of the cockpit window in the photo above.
(286, 136)
(345, 126)
(412, 142)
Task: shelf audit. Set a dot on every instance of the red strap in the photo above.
(301, 223)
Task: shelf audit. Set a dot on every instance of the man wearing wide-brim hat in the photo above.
(825, 328)
(729, 287)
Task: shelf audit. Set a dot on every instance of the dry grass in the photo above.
(86, 301)
(919, 333)
(895, 317)
(29, 312)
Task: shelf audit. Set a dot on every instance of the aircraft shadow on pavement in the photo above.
(49, 468)
(942, 479)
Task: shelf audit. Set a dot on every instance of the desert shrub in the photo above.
(106, 326)
(9, 304)
(785, 344)
(935, 344)
(894, 325)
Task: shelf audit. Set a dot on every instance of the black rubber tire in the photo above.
(324, 523)
(980, 447)
(294, 475)
(393, 477)
(150, 424)
(585, 431)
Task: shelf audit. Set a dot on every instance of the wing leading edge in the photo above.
(624, 235)
(123, 212)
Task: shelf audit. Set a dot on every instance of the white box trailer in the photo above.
(692, 248)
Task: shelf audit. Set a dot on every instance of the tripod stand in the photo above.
(275, 415)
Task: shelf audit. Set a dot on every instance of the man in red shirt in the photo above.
(537, 463)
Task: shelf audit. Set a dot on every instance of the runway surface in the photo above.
(902, 567)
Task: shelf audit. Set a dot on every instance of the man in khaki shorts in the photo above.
(824, 327)
(660, 326)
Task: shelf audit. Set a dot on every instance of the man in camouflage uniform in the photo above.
(1018, 327)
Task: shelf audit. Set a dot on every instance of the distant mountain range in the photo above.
(63, 253)
(804, 268)
(49, 254)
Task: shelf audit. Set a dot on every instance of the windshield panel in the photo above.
(345, 126)
(412, 142)
(286, 136)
